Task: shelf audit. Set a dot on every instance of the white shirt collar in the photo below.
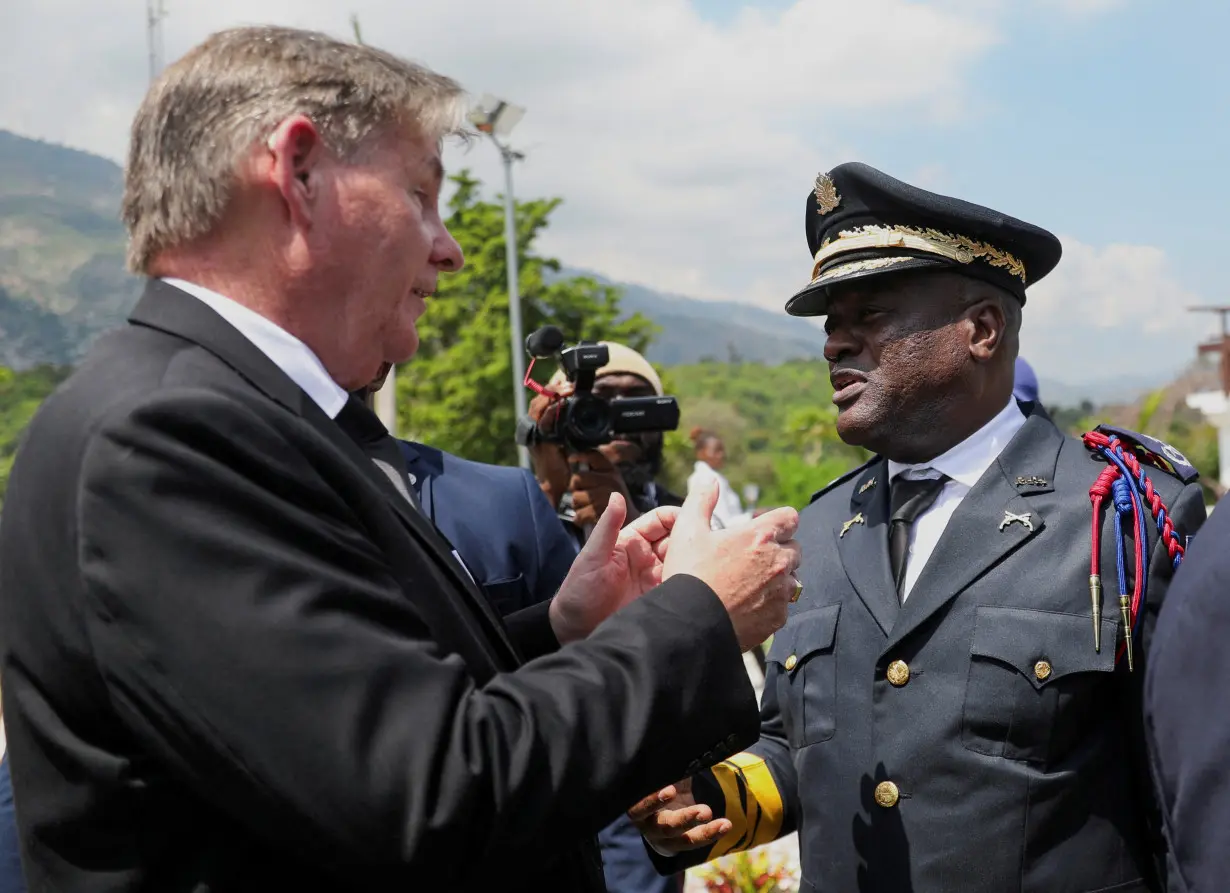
(969, 460)
(287, 352)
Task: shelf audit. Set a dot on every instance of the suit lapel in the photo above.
(994, 519)
(862, 544)
(168, 309)
(421, 477)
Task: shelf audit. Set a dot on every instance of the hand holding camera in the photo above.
(579, 439)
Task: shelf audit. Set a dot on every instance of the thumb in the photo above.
(697, 510)
(606, 532)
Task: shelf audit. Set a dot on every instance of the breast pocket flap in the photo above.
(1043, 646)
(804, 635)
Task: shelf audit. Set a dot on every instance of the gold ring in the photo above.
(798, 590)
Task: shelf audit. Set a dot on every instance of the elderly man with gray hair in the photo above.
(236, 655)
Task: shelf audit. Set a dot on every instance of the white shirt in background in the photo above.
(729, 510)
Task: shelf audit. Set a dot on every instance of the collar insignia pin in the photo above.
(1031, 481)
(867, 486)
(1022, 519)
(845, 528)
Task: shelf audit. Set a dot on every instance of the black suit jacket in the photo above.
(236, 659)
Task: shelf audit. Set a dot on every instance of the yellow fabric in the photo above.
(727, 776)
(762, 790)
(753, 804)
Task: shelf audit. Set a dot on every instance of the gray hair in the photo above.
(230, 92)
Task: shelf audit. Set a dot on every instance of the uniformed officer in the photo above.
(950, 706)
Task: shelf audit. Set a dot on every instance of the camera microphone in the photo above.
(544, 342)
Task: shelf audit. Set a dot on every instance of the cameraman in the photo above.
(579, 484)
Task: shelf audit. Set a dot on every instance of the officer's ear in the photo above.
(991, 320)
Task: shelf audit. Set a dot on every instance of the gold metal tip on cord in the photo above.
(1095, 595)
(1125, 611)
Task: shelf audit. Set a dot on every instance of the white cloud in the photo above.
(1081, 8)
(684, 149)
(1114, 308)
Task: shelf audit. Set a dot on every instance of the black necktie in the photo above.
(909, 500)
(366, 429)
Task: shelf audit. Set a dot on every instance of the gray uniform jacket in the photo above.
(970, 740)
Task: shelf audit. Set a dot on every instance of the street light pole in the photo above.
(497, 118)
(516, 338)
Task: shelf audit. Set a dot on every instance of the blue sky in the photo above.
(683, 135)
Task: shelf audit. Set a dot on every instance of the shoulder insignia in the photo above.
(1154, 452)
(854, 472)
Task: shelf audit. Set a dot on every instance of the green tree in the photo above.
(456, 393)
(778, 424)
(21, 393)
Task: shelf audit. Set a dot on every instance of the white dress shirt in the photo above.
(287, 352)
(964, 464)
(729, 509)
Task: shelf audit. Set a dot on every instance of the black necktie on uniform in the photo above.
(366, 429)
(909, 499)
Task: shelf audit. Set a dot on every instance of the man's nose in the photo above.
(447, 254)
(838, 345)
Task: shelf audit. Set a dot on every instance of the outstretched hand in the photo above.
(671, 821)
(617, 565)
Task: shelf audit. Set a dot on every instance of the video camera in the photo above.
(582, 420)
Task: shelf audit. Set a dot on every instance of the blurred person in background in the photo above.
(1025, 383)
(710, 460)
(496, 516)
(11, 880)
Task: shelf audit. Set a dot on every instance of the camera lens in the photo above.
(589, 419)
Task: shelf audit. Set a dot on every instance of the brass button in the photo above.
(1042, 669)
(887, 794)
(898, 673)
(791, 662)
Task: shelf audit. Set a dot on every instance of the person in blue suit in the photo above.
(498, 520)
(1025, 383)
(1187, 712)
(11, 880)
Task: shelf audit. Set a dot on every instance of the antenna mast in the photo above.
(155, 12)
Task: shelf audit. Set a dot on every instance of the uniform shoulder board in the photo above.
(841, 480)
(1154, 452)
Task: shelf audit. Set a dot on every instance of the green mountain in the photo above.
(62, 278)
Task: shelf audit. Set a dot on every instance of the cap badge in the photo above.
(827, 198)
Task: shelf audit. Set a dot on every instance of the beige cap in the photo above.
(621, 360)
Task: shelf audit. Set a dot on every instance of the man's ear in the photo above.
(987, 329)
(296, 151)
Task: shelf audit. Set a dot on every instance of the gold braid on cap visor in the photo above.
(961, 249)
